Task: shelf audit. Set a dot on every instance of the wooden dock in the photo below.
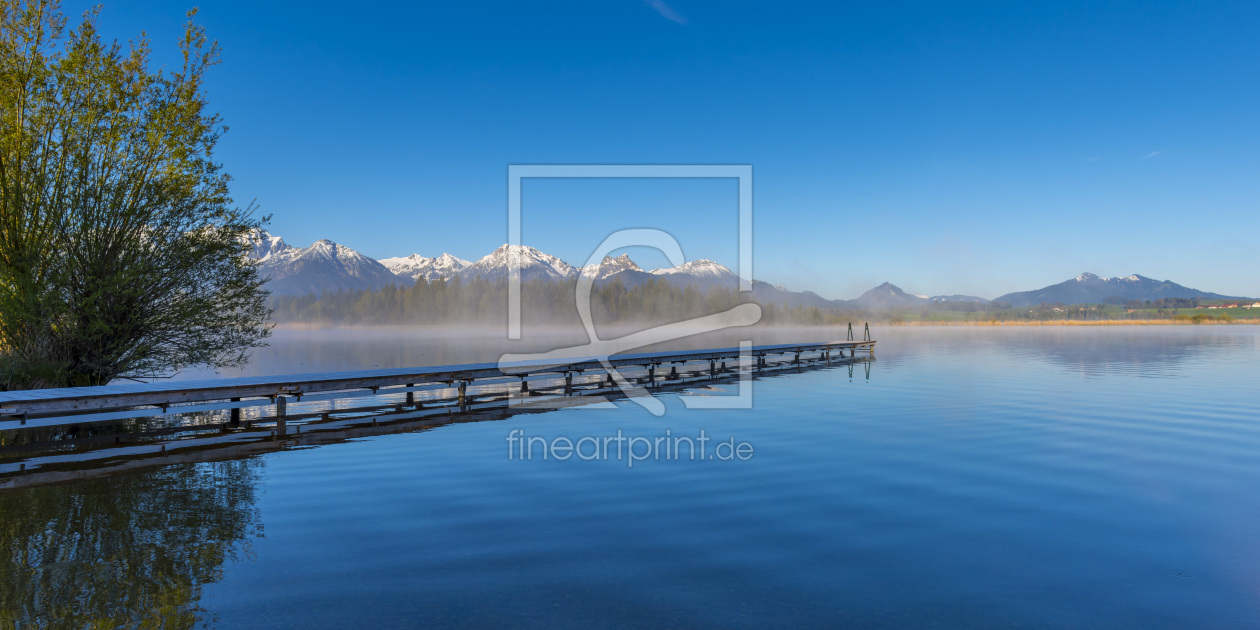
(148, 418)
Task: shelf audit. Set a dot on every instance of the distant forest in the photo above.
(482, 302)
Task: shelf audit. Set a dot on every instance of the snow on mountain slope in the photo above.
(610, 266)
(324, 266)
(415, 266)
(702, 273)
(265, 245)
(534, 265)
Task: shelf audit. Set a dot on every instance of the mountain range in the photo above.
(1088, 288)
(328, 266)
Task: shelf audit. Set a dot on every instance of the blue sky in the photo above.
(974, 148)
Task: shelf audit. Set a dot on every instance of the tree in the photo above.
(121, 251)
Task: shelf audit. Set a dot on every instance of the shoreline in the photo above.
(1099, 322)
(311, 326)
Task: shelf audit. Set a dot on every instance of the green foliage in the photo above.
(120, 249)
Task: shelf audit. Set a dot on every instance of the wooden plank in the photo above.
(106, 397)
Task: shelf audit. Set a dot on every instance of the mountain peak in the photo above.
(415, 266)
(264, 245)
(1088, 288)
(610, 266)
(533, 264)
(886, 296)
(323, 266)
(699, 267)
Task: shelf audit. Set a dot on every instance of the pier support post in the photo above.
(463, 396)
(568, 383)
(712, 369)
(611, 380)
(411, 396)
(282, 409)
(673, 372)
(524, 385)
(651, 375)
(235, 415)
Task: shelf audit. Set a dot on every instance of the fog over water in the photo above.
(1139, 350)
(301, 350)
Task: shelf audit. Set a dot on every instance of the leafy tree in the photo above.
(121, 251)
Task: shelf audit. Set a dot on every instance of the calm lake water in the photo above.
(1078, 477)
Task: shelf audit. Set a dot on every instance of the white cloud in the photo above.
(666, 11)
(1150, 155)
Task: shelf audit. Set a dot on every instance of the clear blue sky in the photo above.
(975, 148)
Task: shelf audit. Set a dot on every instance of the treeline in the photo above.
(1161, 309)
(1166, 302)
(966, 307)
(478, 302)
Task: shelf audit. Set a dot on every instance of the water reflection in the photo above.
(1093, 351)
(128, 550)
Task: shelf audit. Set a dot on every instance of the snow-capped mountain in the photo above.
(702, 268)
(1088, 288)
(703, 273)
(534, 265)
(265, 245)
(324, 266)
(610, 266)
(415, 266)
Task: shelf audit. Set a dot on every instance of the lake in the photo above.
(977, 477)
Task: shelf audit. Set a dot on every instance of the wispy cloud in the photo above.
(1150, 155)
(666, 11)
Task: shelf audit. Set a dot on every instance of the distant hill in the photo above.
(886, 297)
(1088, 288)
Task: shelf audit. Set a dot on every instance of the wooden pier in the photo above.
(142, 418)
